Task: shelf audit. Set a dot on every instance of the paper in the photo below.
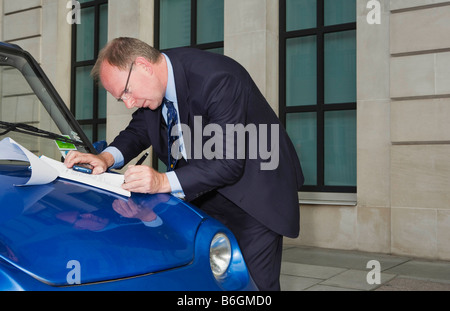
(41, 172)
(107, 181)
(45, 170)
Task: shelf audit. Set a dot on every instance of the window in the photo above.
(318, 89)
(194, 23)
(88, 100)
(188, 23)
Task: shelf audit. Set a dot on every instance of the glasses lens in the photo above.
(126, 94)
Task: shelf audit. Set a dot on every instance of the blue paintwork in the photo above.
(42, 228)
(163, 245)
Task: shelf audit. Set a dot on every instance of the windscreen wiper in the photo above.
(34, 131)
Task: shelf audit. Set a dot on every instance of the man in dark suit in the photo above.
(225, 165)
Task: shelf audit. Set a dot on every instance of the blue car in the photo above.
(66, 235)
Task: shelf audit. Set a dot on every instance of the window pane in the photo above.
(302, 129)
(301, 71)
(87, 129)
(101, 102)
(340, 67)
(175, 23)
(340, 148)
(217, 51)
(103, 33)
(85, 35)
(301, 14)
(101, 132)
(339, 11)
(210, 14)
(84, 93)
(103, 40)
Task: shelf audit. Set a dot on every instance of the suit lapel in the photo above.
(181, 88)
(184, 105)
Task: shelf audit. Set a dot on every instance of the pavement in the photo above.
(317, 269)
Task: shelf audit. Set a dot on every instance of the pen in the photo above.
(141, 160)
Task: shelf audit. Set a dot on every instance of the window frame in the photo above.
(320, 108)
(95, 121)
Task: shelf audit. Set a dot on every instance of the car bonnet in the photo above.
(64, 232)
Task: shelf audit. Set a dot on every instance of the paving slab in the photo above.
(296, 283)
(340, 258)
(317, 269)
(426, 270)
(407, 284)
(309, 271)
(355, 279)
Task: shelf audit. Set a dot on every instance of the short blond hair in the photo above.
(121, 52)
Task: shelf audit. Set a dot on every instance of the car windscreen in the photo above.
(30, 112)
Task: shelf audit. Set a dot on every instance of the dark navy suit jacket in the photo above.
(221, 91)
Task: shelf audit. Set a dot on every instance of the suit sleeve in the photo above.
(224, 104)
(134, 139)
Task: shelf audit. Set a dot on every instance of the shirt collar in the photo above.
(171, 93)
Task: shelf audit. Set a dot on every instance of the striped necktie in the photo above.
(172, 118)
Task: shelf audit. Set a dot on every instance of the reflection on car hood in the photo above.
(44, 229)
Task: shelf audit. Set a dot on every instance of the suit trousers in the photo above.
(260, 246)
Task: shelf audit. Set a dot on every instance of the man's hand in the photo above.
(143, 179)
(100, 162)
(130, 209)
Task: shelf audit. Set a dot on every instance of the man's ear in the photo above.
(144, 63)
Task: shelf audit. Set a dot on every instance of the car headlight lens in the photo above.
(220, 254)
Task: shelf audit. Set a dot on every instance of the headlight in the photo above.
(220, 254)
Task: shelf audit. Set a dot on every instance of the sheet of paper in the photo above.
(45, 170)
(108, 181)
(41, 172)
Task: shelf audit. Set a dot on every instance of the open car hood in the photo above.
(45, 229)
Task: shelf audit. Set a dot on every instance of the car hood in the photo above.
(64, 230)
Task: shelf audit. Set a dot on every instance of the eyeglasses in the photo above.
(126, 94)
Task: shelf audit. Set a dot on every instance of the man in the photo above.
(227, 174)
